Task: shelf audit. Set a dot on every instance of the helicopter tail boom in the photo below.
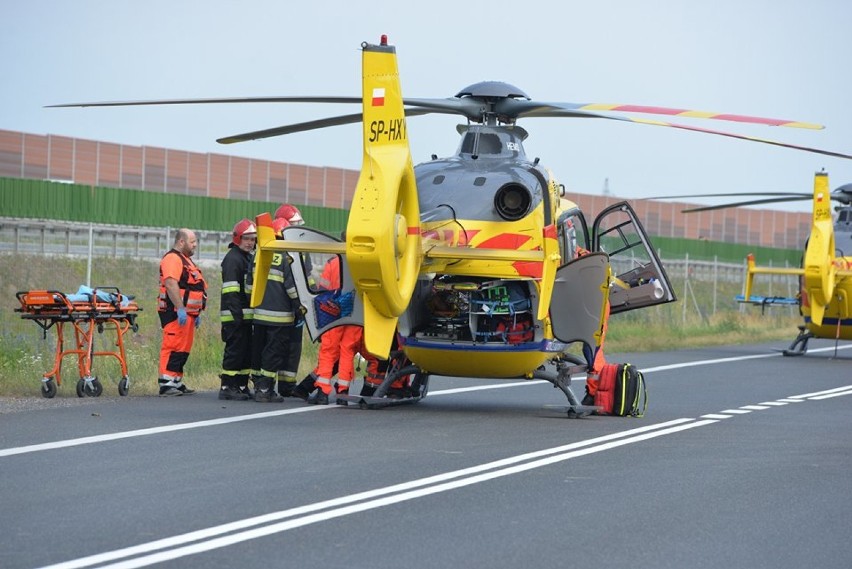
(383, 232)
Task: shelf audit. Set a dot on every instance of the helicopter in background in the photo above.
(474, 265)
(825, 277)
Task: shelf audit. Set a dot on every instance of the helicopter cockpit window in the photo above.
(489, 143)
(843, 243)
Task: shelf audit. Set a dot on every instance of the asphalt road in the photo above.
(744, 459)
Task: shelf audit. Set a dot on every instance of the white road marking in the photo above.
(155, 430)
(819, 393)
(830, 395)
(252, 528)
(355, 503)
(224, 421)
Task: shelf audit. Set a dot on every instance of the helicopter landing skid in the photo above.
(385, 395)
(799, 347)
(561, 379)
(366, 402)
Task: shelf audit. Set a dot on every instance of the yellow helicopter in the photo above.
(825, 278)
(473, 265)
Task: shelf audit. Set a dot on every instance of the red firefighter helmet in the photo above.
(291, 213)
(244, 227)
(278, 225)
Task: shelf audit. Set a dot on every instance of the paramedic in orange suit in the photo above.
(338, 347)
(182, 299)
(599, 360)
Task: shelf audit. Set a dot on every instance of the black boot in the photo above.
(367, 390)
(338, 400)
(229, 390)
(319, 398)
(305, 387)
(264, 391)
(244, 388)
(285, 388)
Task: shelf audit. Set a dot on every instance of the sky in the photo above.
(783, 59)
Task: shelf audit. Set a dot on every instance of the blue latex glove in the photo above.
(197, 321)
(181, 316)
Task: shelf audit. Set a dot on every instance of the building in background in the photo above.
(81, 161)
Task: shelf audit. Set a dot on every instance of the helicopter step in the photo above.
(387, 396)
(561, 379)
(799, 347)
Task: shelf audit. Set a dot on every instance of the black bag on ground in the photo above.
(630, 396)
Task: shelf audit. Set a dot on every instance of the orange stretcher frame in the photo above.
(54, 309)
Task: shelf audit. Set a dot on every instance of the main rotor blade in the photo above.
(468, 107)
(688, 196)
(310, 125)
(567, 113)
(744, 203)
(225, 100)
(673, 112)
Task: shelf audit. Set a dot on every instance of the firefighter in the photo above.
(274, 319)
(182, 299)
(291, 213)
(236, 316)
(294, 335)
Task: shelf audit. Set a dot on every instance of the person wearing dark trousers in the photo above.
(236, 315)
(274, 319)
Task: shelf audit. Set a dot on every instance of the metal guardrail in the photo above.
(50, 237)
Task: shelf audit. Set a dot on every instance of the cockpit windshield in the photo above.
(492, 142)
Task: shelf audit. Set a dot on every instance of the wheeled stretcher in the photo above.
(87, 311)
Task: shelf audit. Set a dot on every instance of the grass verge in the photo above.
(26, 352)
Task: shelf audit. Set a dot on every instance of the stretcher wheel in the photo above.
(85, 389)
(123, 387)
(48, 389)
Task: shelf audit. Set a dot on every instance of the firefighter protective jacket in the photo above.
(280, 301)
(235, 296)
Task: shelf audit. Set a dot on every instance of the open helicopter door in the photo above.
(640, 279)
(579, 298)
(324, 283)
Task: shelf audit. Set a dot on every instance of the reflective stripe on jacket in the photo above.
(193, 288)
(280, 300)
(235, 297)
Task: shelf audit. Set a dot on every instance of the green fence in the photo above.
(38, 199)
(678, 248)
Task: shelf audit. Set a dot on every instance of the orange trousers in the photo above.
(174, 351)
(600, 360)
(338, 346)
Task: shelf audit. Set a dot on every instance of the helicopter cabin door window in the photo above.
(640, 279)
(325, 286)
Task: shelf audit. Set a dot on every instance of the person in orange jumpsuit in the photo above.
(598, 358)
(336, 355)
(182, 299)
(338, 346)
